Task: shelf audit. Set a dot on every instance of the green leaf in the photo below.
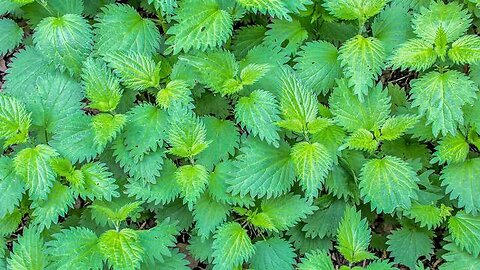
(224, 139)
(283, 212)
(192, 180)
(157, 240)
(429, 216)
(66, 40)
(312, 163)
(451, 17)
(122, 249)
(298, 105)
(11, 35)
(262, 170)
(116, 211)
(394, 127)
(461, 180)
(388, 183)
(137, 71)
(258, 113)
(316, 259)
(330, 209)
(208, 215)
(217, 186)
(102, 88)
(201, 24)
(351, 114)
(283, 32)
(14, 121)
(362, 60)
(456, 258)
(231, 247)
(47, 212)
(465, 50)
(98, 182)
(28, 252)
(106, 127)
(451, 149)
(408, 244)
(362, 139)
(176, 91)
(273, 8)
(354, 236)
(354, 9)
(440, 96)
(246, 38)
(32, 165)
(317, 65)
(415, 54)
(120, 28)
(187, 135)
(465, 231)
(75, 248)
(165, 6)
(11, 187)
(54, 103)
(273, 253)
(253, 72)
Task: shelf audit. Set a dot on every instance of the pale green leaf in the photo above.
(122, 249)
(14, 121)
(415, 54)
(192, 180)
(231, 247)
(28, 252)
(465, 231)
(354, 236)
(395, 126)
(283, 32)
(362, 139)
(451, 149)
(316, 259)
(465, 50)
(176, 91)
(354, 9)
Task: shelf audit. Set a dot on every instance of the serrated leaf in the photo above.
(465, 231)
(131, 31)
(122, 249)
(28, 252)
(253, 72)
(351, 114)
(318, 66)
(11, 35)
(187, 135)
(102, 88)
(192, 180)
(354, 9)
(66, 40)
(312, 163)
(258, 113)
(440, 96)
(176, 91)
(429, 216)
(209, 214)
(47, 212)
(14, 121)
(282, 32)
(262, 170)
(395, 126)
(415, 54)
(456, 258)
(273, 253)
(331, 210)
(32, 165)
(362, 139)
(451, 149)
(217, 186)
(316, 259)
(465, 50)
(98, 182)
(75, 248)
(274, 8)
(136, 71)
(461, 180)
(200, 25)
(362, 60)
(106, 127)
(408, 244)
(157, 240)
(231, 247)
(354, 236)
(11, 187)
(388, 183)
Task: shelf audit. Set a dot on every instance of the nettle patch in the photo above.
(239, 134)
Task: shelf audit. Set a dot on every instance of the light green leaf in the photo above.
(120, 28)
(273, 253)
(106, 127)
(231, 247)
(32, 165)
(354, 9)
(395, 126)
(14, 121)
(354, 236)
(122, 249)
(440, 96)
(253, 72)
(187, 135)
(192, 180)
(283, 32)
(408, 244)
(461, 180)
(312, 163)
(388, 183)
(157, 241)
(200, 25)
(99, 183)
(429, 215)
(47, 212)
(258, 113)
(318, 66)
(11, 187)
(274, 8)
(316, 259)
(465, 50)
(176, 91)
(362, 139)
(456, 258)
(451, 149)
(415, 54)
(362, 60)
(208, 215)
(262, 170)
(465, 231)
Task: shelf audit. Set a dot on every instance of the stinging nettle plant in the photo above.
(239, 134)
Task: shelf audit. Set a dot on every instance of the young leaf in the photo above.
(312, 164)
(362, 60)
(201, 24)
(451, 149)
(354, 236)
(187, 136)
(415, 54)
(354, 9)
(121, 249)
(192, 180)
(258, 113)
(362, 139)
(465, 50)
(394, 127)
(274, 8)
(231, 247)
(14, 121)
(176, 91)
(106, 127)
(388, 183)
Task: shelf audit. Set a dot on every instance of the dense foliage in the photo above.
(240, 134)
